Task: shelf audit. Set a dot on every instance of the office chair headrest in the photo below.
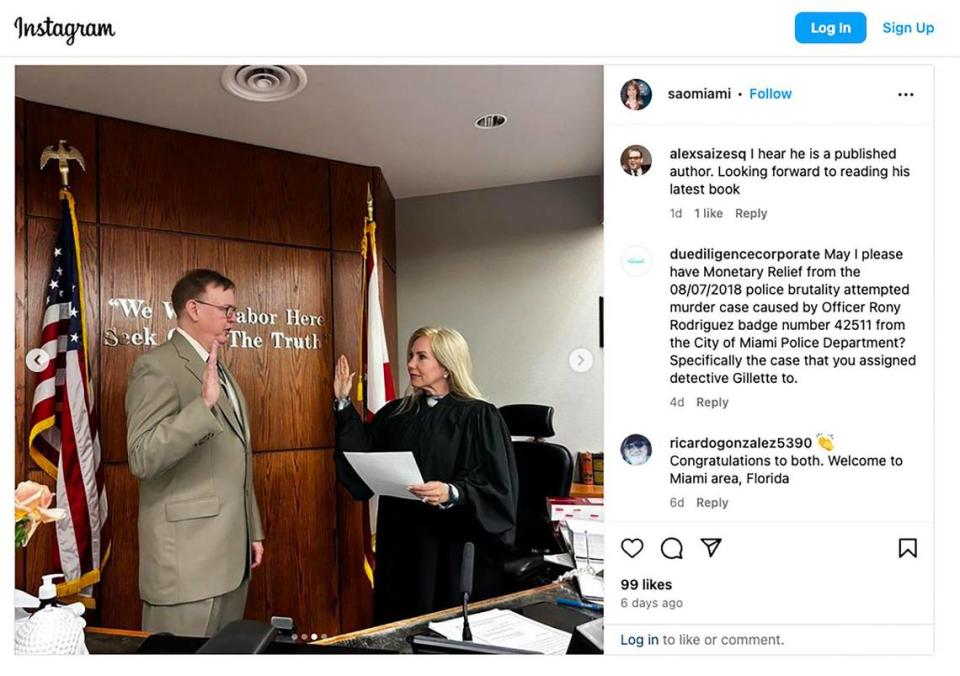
(529, 420)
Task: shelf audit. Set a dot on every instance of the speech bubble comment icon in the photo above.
(632, 546)
(671, 548)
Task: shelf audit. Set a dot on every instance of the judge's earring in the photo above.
(446, 375)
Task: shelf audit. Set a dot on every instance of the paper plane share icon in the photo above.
(711, 544)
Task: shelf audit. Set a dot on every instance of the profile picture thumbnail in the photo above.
(635, 160)
(636, 449)
(635, 94)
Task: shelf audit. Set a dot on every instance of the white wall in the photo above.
(518, 270)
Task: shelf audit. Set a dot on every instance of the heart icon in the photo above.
(632, 546)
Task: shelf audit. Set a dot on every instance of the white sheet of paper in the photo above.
(591, 587)
(387, 473)
(453, 628)
(507, 629)
(559, 559)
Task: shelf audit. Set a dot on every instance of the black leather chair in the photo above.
(545, 470)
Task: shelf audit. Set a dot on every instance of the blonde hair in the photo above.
(451, 350)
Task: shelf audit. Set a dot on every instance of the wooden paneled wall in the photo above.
(286, 228)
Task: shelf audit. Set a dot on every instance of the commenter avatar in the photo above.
(635, 160)
(636, 449)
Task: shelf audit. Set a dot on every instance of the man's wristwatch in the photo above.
(340, 404)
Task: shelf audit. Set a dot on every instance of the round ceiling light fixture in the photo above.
(490, 121)
(263, 82)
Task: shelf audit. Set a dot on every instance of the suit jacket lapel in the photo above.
(196, 366)
(241, 406)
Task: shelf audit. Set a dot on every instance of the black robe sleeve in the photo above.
(352, 435)
(488, 481)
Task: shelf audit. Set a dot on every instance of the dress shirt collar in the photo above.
(204, 355)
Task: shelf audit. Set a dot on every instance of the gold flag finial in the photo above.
(369, 203)
(63, 154)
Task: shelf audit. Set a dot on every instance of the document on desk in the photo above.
(387, 473)
(585, 540)
(507, 629)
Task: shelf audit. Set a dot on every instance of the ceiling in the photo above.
(415, 122)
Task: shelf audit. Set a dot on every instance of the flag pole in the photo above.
(361, 333)
(82, 541)
(367, 241)
(63, 153)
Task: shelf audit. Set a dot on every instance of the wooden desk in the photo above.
(586, 491)
(391, 636)
(102, 641)
(394, 636)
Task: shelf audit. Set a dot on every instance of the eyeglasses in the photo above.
(227, 310)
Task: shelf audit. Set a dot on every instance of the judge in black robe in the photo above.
(461, 444)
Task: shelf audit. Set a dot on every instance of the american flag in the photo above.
(64, 436)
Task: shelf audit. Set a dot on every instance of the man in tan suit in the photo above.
(188, 442)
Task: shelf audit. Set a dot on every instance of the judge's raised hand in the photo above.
(432, 492)
(210, 386)
(342, 379)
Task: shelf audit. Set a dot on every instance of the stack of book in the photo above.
(591, 468)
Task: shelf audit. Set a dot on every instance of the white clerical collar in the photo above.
(204, 355)
(432, 399)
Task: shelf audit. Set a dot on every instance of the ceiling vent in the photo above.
(491, 121)
(264, 83)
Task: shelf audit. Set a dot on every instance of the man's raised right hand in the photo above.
(210, 387)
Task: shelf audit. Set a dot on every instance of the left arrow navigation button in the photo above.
(37, 359)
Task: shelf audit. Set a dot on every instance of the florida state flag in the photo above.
(374, 356)
(375, 371)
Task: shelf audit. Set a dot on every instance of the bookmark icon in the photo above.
(908, 547)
